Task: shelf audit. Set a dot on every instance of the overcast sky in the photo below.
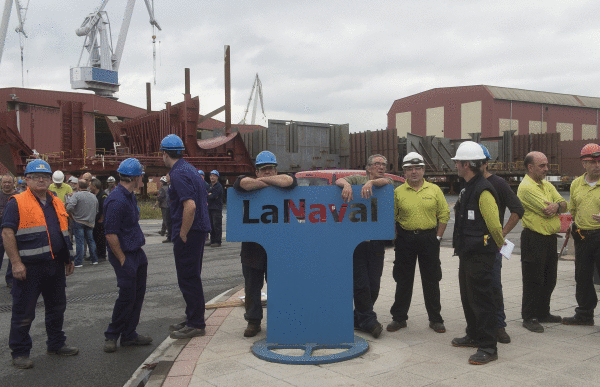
(321, 61)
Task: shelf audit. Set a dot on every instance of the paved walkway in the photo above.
(416, 356)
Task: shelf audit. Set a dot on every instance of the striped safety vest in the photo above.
(33, 239)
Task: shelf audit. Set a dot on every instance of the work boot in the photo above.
(161, 233)
(482, 357)
(187, 333)
(575, 320)
(139, 340)
(396, 325)
(550, 318)
(22, 362)
(65, 350)
(376, 330)
(464, 342)
(215, 245)
(437, 326)
(178, 326)
(168, 240)
(502, 336)
(110, 345)
(252, 330)
(533, 325)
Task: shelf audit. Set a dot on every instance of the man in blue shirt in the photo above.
(125, 240)
(215, 209)
(189, 223)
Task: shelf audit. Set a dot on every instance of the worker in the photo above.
(8, 191)
(22, 186)
(162, 201)
(189, 223)
(125, 241)
(585, 210)
(34, 230)
(476, 240)
(422, 214)
(74, 184)
(98, 232)
(215, 209)
(111, 185)
(201, 173)
(506, 198)
(539, 257)
(367, 260)
(253, 255)
(59, 187)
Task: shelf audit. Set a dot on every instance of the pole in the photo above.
(148, 98)
(187, 80)
(227, 92)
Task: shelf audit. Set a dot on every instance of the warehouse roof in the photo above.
(510, 94)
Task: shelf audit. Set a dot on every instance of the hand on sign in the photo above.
(347, 193)
(367, 190)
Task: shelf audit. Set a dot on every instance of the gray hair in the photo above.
(373, 157)
(97, 183)
(8, 175)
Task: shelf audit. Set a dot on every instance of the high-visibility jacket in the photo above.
(33, 239)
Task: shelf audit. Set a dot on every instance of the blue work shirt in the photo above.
(215, 197)
(11, 220)
(187, 184)
(121, 217)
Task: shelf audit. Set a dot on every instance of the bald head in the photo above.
(8, 183)
(536, 164)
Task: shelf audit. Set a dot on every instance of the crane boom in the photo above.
(4, 25)
(258, 86)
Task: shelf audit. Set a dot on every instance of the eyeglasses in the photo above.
(39, 176)
(379, 164)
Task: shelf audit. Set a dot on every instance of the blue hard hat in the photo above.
(38, 166)
(265, 157)
(130, 167)
(201, 172)
(20, 181)
(486, 153)
(172, 143)
(214, 172)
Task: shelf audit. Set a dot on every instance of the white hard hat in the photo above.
(163, 179)
(110, 179)
(413, 158)
(73, 179)
(469, 151)
(58, 177)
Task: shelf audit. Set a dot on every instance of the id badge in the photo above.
(471, 214)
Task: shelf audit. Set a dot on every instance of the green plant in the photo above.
(147, 210)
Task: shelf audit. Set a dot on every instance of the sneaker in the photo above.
(252, 330)
(437, 326)
(215, 245)
(533, 325)
(482, 357)
(139, 340)
(464, 342)
(79, 265)
(376, 330)
(22, 362)
(550, 318)
(65, 350)
(178, 326)
(95, 263)
(577, 321)
(396, 325)
(502, 336)
(110, 345)
(187, 333)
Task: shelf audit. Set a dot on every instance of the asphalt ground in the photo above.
(91, 293)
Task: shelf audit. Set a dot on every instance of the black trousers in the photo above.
(539, 263)
(367, 265)
(476, 294)
(254, 279)
(166, 221)
(100, 239)
(587, 259)
(216, 229)
(410, 248)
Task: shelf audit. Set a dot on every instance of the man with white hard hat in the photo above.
(476, 240)
(59, 187)
(112, 184)
(422, 214)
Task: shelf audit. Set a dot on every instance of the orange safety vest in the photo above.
(33, 239)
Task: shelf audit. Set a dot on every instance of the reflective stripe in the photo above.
(66, 234)
(29, 252)
(30, 230)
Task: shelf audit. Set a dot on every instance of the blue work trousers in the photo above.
(83, 232)
(8, 277)
(49, 280)
(188, 263)
(131, 280)
(497, 291)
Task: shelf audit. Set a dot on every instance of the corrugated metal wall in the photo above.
(365, 144)
(547, 143)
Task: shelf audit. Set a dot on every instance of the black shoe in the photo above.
(464, 342)
(376, 330)
(139, 340)
(22, 362)
(178, 326)
(502, 336)
(187, 333)
(161, 233)
(396, 325)
(577, 321)
(110, 345)
(437, 326)
(65, 350)
(215, 245)
(550, 318)
(533, 325)
(252, 330)
(168, 240)
(482, 357)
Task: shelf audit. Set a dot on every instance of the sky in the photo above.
(320, 61)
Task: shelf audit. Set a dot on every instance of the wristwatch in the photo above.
(439, 238)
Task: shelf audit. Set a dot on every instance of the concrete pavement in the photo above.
(415, 356)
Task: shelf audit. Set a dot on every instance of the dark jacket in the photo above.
(215, 197)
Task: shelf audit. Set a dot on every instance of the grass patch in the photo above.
(147, 211)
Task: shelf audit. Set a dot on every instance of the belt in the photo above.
(418, 231)
(588, 233)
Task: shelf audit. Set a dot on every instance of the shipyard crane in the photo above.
(257, 85)
(21, 14)
(100, 72)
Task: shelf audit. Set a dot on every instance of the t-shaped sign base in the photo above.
(309, 235)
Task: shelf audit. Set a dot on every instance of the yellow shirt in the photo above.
(533, 196)
(422, 209)
(585, 202)
(489, 211)
(62, 191)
